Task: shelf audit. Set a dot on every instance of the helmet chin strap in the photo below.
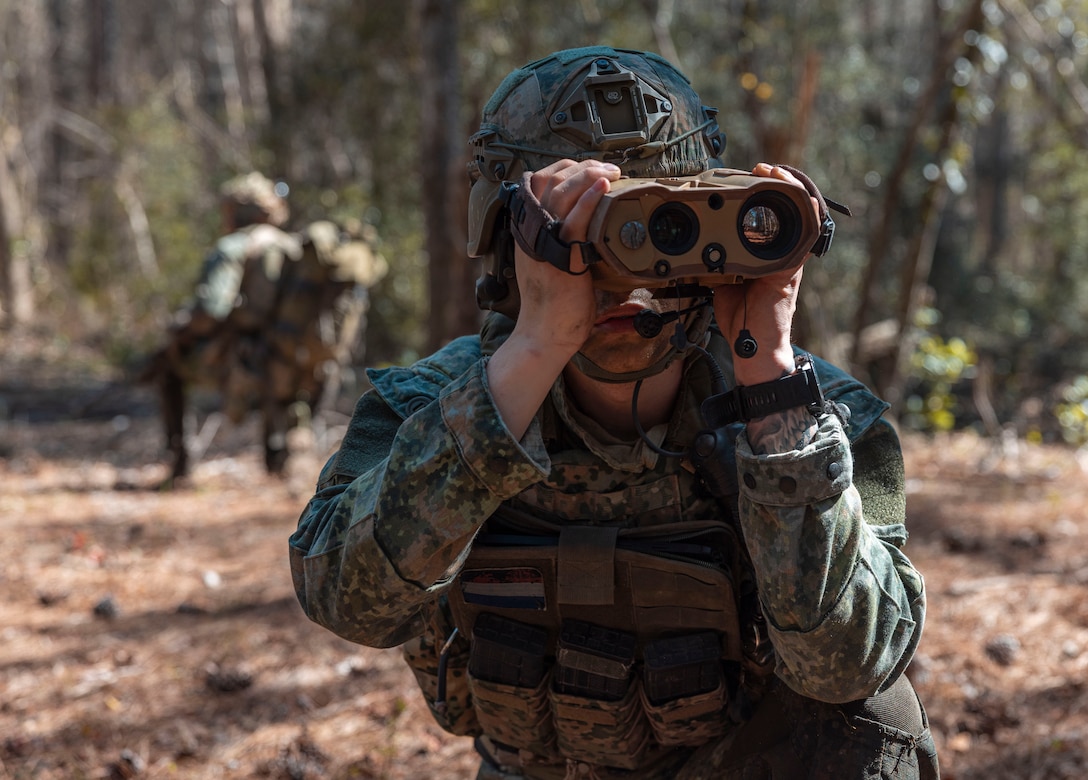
(694, 334)
(594, 371)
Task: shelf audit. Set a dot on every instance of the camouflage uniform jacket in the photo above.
(243, 268)
(427, 460)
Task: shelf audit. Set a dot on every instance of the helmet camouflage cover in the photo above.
(255, 198)
(630, 108)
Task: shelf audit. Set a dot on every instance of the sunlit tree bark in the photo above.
(442, 174)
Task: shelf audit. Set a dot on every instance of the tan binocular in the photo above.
(719, 227)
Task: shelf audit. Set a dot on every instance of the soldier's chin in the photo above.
(622, 355)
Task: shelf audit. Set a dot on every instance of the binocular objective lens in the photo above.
(673, 228)
(761, 226)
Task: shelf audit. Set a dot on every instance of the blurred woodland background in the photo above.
(955, 130)
(156, 633)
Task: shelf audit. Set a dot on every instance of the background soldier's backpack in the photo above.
(237, 354)
(320, 317)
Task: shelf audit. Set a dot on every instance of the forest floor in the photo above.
(154, 633)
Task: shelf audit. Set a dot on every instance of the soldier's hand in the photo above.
(765, 307)
(558, 308)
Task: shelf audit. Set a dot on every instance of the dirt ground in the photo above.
(151, 633)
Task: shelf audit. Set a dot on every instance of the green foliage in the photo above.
(1072, 412)
(158, 159)
(937, 369)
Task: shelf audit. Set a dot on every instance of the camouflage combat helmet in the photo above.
(255, 198)
(630, 108)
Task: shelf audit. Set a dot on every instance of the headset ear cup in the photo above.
(504, 250)
(497, 288)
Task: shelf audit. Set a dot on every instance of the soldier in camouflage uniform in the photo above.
(598, 561)
(274, 317)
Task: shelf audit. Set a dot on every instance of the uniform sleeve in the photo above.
(825, 529)
(382, 538)
(219, 282)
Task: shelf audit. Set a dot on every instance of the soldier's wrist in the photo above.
(766, 365)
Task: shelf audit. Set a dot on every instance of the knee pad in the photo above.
(897, 707)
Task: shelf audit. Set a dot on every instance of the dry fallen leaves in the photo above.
(150, 633)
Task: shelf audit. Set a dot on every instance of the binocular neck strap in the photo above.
(536, 230)
(827, 224)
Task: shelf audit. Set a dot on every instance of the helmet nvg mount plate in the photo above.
(610, 108)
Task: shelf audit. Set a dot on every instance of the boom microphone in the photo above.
(649, 323)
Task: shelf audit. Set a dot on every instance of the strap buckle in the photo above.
(536, 230)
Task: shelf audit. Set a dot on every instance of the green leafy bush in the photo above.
(1072, 412)
(937, 368)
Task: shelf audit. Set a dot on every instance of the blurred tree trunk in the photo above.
(194, 75)
(442, 173)
(661, 13)
(780, 140)
(994, 170)
(16, 294)
(271, 29)
(947, 48)
(25, 107)
(97, 47)
(227, 62)
(914, 282)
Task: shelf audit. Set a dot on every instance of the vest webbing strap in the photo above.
(587, 560)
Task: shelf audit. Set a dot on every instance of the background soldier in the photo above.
(621, 534)
(271, 310)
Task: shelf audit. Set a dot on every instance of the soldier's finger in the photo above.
(576, 222)
(566, 192)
